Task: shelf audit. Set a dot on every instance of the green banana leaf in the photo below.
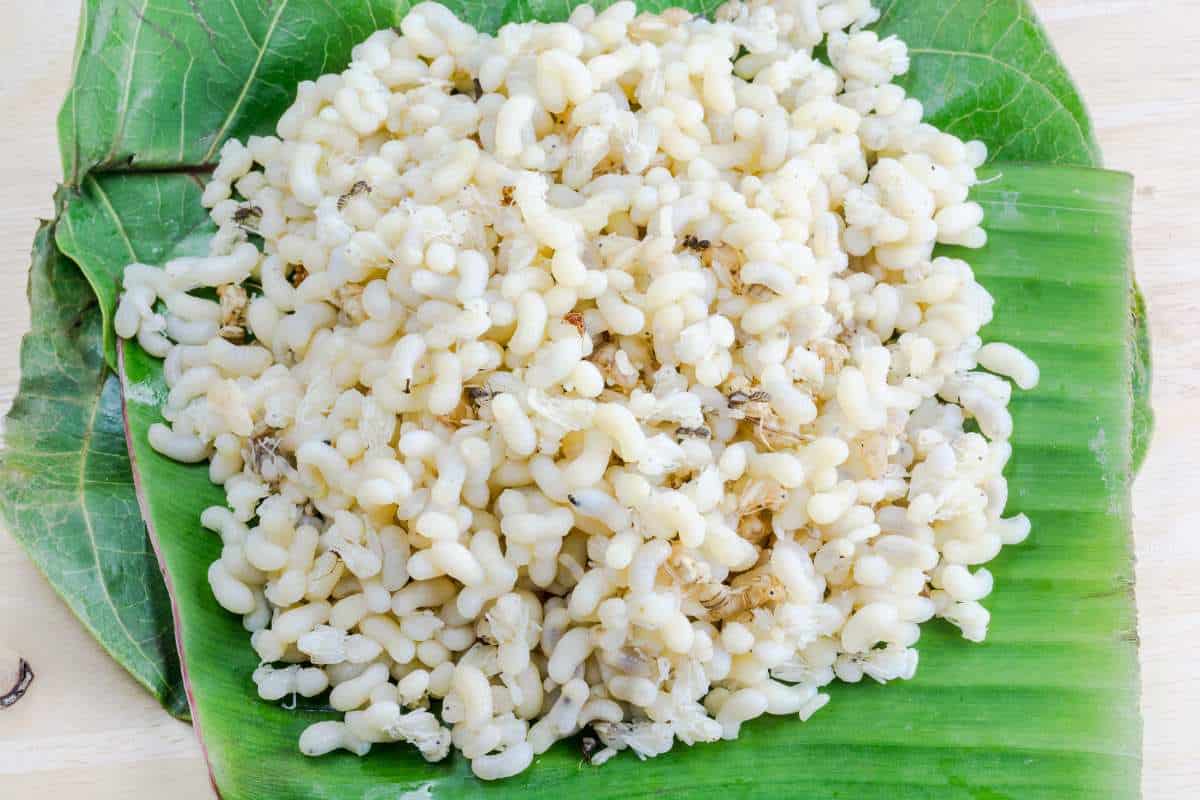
(66, 485)
(1046, 708)
(151, 95)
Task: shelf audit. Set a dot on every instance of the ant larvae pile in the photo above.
(594, 376)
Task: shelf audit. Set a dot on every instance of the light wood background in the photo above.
(87, 730)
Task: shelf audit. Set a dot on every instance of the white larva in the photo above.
(1004, 359)
(514, 425)
(742, 706)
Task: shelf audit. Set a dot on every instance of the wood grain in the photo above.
(87, 730)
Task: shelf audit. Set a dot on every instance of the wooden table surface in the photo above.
(87, 730)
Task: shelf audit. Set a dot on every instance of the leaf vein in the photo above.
(116, 218)
(88, 527)
(1005, 65)
(241, 99)
(123, 107)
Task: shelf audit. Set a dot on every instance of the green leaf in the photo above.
(1046, 708)
(113, 220)
(985, 69)
(162, 83)
(66, 491)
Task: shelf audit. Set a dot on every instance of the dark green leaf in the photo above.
(1047, 708)
(66, 491)
(112, 220)
(986, 70)
(162, 83)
